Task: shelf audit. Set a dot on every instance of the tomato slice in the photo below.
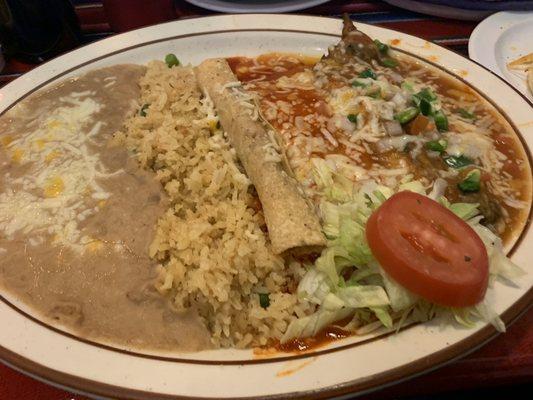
(429, 250)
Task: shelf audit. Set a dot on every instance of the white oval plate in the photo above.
(500, 39)
(340, 368)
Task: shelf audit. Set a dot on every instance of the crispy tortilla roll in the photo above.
(292, 223)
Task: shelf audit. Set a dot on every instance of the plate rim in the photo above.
(485, 334)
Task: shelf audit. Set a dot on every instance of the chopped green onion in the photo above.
(437, 145)
(389, 62)
(426, 94)
(376, 94)
(357, 83)
(441, 121)
(458, 161)
(142, 111)
(472, 182)
(424, 100)
(408, 86)
(382, 47)
(352, 118)
(466, 114)
(425, 107)
(406, 115)
(171, 60)
(368, 73)
(264, 300)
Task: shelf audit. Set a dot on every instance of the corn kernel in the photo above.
(52, 155)
(54, 187)
(17, 155)
(94, 245)
(40, 143)
(6, 140)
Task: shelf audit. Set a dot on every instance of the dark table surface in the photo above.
(501, 369)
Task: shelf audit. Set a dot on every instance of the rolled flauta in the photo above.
(292, 222)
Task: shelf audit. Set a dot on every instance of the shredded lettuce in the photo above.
(424, 311)
(314, 323)
(335, 186)
(487, 314)
(314, 287)
(332, 302)
(465, 210)
(400, 298)
(326, 263)
(330, 219)
(352, 239)
(383, 315)
(412, 186)
(363, 296)
(500, 266)
(346, 280)
(439, 186)
(363, 274)
(322, 173)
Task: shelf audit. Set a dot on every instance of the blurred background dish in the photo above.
(501, 39)
(256, 6)
(2, 61)
(35, 30)
(471, 10)
(124, 15)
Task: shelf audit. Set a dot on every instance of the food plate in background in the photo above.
(470, 10)
(439, 10)
(500, 39)
(348, 366)
(256, 6)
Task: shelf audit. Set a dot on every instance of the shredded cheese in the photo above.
(61, 183)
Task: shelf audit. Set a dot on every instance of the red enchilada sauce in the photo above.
(322, 338)
(262, 76)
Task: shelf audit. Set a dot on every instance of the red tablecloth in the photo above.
(506, 362)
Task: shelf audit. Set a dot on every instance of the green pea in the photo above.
(171, 60)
